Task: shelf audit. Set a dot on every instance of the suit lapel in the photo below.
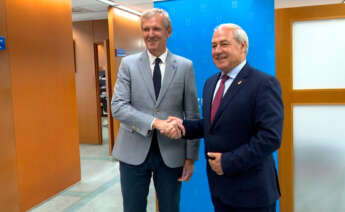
(169, 74)
(238, 83)
(208, 96)
(146, 73)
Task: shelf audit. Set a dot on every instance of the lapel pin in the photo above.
(239, 82)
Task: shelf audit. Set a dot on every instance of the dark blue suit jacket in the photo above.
(246, 130)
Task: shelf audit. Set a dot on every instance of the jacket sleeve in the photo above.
(194, 128)
(121, 107)
(191, 110)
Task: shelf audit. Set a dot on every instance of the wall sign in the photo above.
(120, 52)
(2, 43)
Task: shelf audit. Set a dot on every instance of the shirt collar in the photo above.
(234, 72)
(163, 56)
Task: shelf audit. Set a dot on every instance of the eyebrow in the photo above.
(222, 41)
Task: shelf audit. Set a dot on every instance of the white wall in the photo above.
(300, 3)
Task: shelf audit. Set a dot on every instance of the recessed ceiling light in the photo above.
(108, 2)
(128, 10)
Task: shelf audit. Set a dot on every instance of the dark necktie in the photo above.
(157, 77)
(218, 98)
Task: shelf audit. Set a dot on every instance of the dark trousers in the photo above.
(219, 206)
(135, 181)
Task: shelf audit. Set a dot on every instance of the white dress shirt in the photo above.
(232, 75)
(162, 65)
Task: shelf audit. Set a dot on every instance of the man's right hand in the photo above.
(172, 127)
(179, 123)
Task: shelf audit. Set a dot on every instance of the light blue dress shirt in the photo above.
(232, 75)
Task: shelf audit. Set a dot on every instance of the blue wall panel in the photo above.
(193, 22)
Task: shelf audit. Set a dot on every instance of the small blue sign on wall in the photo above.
(2, 43)
(120, 52)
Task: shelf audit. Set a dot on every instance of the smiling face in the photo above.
(155, 34)
(227, 52)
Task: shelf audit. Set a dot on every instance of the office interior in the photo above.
(58, 65)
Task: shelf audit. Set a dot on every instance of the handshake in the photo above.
(171, 127)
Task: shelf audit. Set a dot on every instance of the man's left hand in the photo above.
(215, 161)
(188, 170)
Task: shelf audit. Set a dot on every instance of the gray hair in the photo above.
(239, 34)
(147, 14)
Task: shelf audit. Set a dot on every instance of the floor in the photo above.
(99, 189)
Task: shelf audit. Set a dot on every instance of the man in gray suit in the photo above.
(151, 86)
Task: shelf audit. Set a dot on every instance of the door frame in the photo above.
(283, 26)
(108, 76)
(98, 101)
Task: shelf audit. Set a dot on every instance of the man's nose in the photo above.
(150, 33)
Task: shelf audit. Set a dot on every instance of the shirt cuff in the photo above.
(152, 123)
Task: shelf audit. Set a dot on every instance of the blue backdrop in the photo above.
(193, 22)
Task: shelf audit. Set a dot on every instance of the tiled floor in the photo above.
(99, 189)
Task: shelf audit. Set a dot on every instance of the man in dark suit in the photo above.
(242, 126)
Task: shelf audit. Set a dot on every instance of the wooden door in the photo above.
(312, 161)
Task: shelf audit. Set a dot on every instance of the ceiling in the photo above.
(83, 10)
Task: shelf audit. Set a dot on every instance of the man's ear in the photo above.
(169, 31)
(244, 46)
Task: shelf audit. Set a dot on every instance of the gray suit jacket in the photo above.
(134, 104)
